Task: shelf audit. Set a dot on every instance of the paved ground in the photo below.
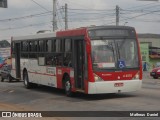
(13, 96)
(148, 80)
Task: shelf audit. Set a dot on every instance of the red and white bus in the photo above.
(92, 60)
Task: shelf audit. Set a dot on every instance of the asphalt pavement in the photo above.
(147, 79)
(14, 96)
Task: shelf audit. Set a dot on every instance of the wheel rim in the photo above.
(25, 80)
(67, 86)
(9, 78)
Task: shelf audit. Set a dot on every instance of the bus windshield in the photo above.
(114, 54)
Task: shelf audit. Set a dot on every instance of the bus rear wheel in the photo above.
(68, 87)
(2, 79)
(26, 80)
(10, 78)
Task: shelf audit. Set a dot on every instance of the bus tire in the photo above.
(26, 81)
(2, 79)
(68, 86)
(10, 78)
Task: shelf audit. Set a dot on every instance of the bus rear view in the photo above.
(116, 60)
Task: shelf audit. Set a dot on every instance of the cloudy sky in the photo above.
(24, 17)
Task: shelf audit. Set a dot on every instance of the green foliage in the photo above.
(4, 44)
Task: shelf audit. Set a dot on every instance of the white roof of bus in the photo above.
(36, 36)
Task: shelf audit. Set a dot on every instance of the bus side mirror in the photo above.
(41, 61)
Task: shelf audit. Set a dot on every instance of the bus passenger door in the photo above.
(78, 50)
(17, 60)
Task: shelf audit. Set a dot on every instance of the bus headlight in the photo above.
(136, 76)
(97, 78)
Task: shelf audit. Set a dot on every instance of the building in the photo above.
(150, 49)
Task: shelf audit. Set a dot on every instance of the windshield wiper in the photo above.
(118, 50)
(112, 50)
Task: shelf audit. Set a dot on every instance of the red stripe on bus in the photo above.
(39, 73)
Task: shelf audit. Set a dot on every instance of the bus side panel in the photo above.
(44, 75)
(13, 71)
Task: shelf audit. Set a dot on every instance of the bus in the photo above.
(91, 60)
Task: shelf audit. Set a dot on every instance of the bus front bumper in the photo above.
(114, 86)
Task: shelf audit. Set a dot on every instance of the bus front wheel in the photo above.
(68, 86)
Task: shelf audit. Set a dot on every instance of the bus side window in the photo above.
(67, 60)
(24, 46)
(40, 46)
(49, 59)
(54, 46)
(67, 53)
(68, 45)
(58, 45)
(49, 46)
(36, 46)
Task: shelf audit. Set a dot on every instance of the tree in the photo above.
(4, 44)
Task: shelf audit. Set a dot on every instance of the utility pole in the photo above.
(117, 15)
(54, 15)
(66, 16)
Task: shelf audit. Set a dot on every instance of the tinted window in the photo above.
(41, 46)
(33, 46)
(49, 45)
(68, 45)
(58, 45)
(24, 46)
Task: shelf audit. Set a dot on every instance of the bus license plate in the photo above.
(118, 84)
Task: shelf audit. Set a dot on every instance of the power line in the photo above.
(21, 27)
(40, 5)
(54, 13)
(140, 10)
(25, 17)
(89, 13)
(137, 16)
(60, 22)
(100, 13)
(144, 14)
(73, 3)
(141, 5)
(105, 10)
(91, 18)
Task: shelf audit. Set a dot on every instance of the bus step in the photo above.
(18, 79)
(80, 90)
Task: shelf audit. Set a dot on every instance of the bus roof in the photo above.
(109, 27)
(36, 36)
(72, 32)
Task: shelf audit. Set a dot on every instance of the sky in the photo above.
(26, 17)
